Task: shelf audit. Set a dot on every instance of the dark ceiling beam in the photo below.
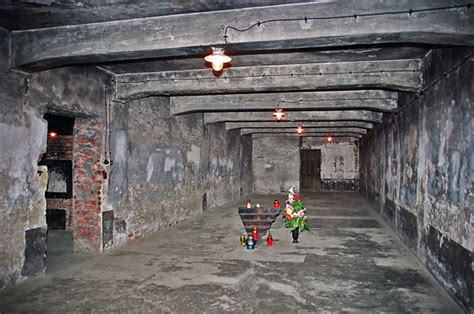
(290, 124)
(307, 134)
(316, 55)
(357, 99)
(305, 130)
(402, 75)
(343, 115)
(178, 35)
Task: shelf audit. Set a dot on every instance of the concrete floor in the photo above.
(60, 252)
(349, 261)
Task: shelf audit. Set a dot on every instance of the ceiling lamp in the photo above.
(278, 114)
(217, 58)
(299, 130)
(52, 133)
(329, 139)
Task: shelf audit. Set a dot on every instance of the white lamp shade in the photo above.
(278, 114)
(217, 58)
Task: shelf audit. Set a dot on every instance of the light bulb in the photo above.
(217, 66)
(299, 130)
(278, 114)
(329, 139)
(217, 58)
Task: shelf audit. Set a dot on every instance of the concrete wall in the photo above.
(79, 92)
(22, 203)
(223, 182)
(417, 170)
(166, 168)
(246, 174)
(156, 179)
(24, 98)
(339, 163)
(276, 163)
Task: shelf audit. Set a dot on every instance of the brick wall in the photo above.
(60, 147)
(89, 176)
(62, 203)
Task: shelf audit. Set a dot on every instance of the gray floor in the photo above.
(349, 261)
(60, 252)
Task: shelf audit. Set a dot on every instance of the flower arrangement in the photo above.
(295, 213)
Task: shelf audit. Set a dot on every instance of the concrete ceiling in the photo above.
(30, 14)
(301, 56)
(337, 63)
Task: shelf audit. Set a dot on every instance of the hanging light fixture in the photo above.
(278, 114)
(217, 58)
(299, 130)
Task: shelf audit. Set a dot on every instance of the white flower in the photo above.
(291, 195)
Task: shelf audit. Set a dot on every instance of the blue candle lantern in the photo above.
(250, 243)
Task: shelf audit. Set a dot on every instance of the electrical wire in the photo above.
(334, 99)
(338, 17)
(410, 12)
(422, 92)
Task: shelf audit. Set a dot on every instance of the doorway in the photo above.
(59, 194)
(310, 169)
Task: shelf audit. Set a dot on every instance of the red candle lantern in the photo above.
(269, 240)
(255, 234)
(276, 204)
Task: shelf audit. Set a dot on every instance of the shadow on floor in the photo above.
(60, 255)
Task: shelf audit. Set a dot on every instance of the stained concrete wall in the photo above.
(157, 178)
(339, 163)
(72, 91)
(246, 174)
(22, 203)
(24, 98)
(224, 170)
(79, 92)
(276, 163)
(417, 170)
(166, 168)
